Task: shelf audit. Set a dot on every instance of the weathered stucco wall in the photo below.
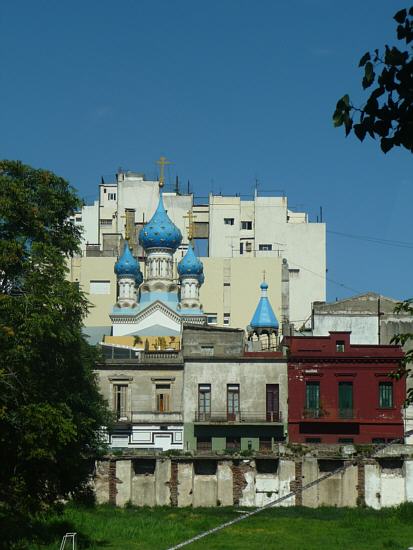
(226, 481)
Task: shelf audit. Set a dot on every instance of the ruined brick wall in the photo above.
(297, 484)
(239, 482)
(173, 483)
(112, 482)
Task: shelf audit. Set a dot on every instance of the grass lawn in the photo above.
(108, 528)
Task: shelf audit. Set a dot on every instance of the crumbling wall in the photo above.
(226, 481)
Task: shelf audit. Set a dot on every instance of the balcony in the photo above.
(150, 417)
(328, 414)
(239, 417)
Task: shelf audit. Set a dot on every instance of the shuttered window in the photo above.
(386, 395)
(312, 397)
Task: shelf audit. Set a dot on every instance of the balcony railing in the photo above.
(216, 417)
(147, 417)
(334, 414)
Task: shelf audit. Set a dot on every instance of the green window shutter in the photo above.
(312, 395)
(345, 398)
(386, 395)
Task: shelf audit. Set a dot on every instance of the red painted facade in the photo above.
(342, 393)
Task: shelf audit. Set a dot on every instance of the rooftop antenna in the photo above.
(163, 161)
(263, 275)
(177, 185)
(188, 187)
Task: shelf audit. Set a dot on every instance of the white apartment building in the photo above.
(244, 241)
(265, 228)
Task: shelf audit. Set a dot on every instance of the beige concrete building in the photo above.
(235, 403)
(144, 391)
(243, 238)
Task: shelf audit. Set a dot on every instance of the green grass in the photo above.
(108, 528)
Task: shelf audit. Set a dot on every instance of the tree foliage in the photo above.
(51, 411)
(388, 112)
(388, 115)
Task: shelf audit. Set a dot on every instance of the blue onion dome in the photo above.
(191, 265)
(128, 266)
(264, 316)
(160, 232)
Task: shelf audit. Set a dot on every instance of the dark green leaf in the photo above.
(348, 124)
(400, 16)
(386, 144)
(360, 131)
(368, 75)
(364, 59)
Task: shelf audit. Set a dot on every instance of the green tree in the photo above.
(388, 115)
(388, 112)
(51, 411)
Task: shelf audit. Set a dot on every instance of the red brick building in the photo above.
(342, 393)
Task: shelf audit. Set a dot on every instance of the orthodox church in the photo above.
(160, 313)
(160, 304)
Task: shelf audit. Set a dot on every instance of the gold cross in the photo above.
(191, 225)
(162, 162)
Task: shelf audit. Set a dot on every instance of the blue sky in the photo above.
(230, 91)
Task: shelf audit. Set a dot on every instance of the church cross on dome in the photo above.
(163, 161)
(191, 225)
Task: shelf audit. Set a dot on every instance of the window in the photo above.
(233, 443)
(212, 318)
(204, 401)
(313, 439)
(345, 440)
(386, 395)
(120, 401)
(312, 399)
(106, 221)
(246, 225)
(340, 346)
(329, 465)
(378, 440)
(233, 401)
(205, 467)
(267, 466)
(345, 399)
(207, 350)
(99, 287)
(294, 273)
(265, 247)
(227, 318)
(112, 196)
(229, 221)
(163, 393)
(78, 219)
(265, 445)
(241, 248)
(144, 466)
(272, 393)
(204, 444)
(248, 247)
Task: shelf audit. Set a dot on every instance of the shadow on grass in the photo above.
(21, 533)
